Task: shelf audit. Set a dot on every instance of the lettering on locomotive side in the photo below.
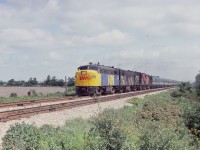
(84, 78)
(87, 77)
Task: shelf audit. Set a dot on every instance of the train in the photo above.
(96, 79)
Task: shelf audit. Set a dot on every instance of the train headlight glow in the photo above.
(83, 72)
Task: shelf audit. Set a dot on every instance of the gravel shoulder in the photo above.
(60, 117)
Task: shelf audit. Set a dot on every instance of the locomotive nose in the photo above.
(88, 78)
(83, 72)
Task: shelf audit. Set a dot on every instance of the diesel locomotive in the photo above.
(96, 79)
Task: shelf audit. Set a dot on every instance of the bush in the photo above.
(32, 93)
(185, 86)
(155, 137)
(175, 94)
(197, 84)
(190, 95)
(157, 111)
(29, 137)
(50, 138)
(192, 119)
(70, 137)
(13, 94)
(155, 122)
(21, 136)
(107, 130)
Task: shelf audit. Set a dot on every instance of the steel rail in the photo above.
(32, 102)
(28, 112)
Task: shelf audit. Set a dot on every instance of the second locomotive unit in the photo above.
(95, 79)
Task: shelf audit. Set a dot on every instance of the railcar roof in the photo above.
(101, 66)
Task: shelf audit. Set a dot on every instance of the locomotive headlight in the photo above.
(83, 72)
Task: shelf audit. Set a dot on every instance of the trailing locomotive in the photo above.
(95, 79)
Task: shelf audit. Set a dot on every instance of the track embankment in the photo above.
(59, 118)
(28, 112)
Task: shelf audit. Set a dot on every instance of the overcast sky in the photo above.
(54, 37)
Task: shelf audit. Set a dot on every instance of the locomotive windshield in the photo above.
(93, 68)
(88, 68)
(83, 68)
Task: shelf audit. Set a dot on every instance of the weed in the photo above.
(32, 93)
(13, 95)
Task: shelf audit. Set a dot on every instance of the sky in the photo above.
(55, 37)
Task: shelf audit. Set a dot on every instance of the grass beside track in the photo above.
(160, 121)
(32, 97)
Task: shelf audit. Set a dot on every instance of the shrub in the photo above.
(155, 137)
(197, 84)
(108, 130)
(50, 138)
(175, 94)
(94, 141)
(13, 94)
(21, 136)
(167, 114)
(185, 86)
(71, 136)
(190, 95)
(32, 93)
(192, 119)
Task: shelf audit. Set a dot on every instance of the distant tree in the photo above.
(47, 82)
(71, 81)
(1, 82)
(11, 82)
(197, 84)
(20, 83)
(185, 86)
(35, 82)
(54, 81)
(61, 82)
(31, 82)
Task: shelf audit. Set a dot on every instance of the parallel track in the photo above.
(32, 102)
(27, 112)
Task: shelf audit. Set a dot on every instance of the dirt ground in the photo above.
(23, 91)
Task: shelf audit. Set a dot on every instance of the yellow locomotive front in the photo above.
(88, 79)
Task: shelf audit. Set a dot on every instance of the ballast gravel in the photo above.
(59, 118)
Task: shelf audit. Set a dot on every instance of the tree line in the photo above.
(49, 81)
(187, 86)
(197, 84)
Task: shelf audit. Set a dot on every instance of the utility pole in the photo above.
(66, 87)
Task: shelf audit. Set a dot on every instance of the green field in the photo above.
(170, 120)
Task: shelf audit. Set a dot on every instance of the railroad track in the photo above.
(32, 102)
(27, 112)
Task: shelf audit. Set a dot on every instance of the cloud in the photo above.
(137, 54)
(55, 56)
(18, 39)
(159, 37)
(108, 38)
(180, 62)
